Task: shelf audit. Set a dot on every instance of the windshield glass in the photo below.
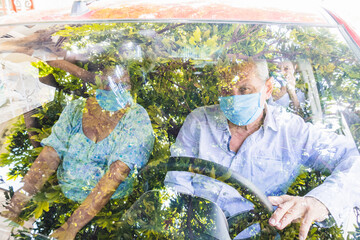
(180, 216)
(122, 91)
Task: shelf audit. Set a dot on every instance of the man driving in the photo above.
(268, 146)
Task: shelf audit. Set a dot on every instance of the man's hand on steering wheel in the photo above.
(290, 209)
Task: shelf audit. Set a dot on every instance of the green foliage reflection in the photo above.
(173, 70)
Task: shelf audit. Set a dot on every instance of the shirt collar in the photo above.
(269, 118)
(221, 120)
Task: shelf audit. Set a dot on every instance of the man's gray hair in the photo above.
(262, 70)
(257, 68)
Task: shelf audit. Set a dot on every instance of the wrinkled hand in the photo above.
(64, 233)
(12, 216)
(14, 208)
(288, 70)
(294, 209)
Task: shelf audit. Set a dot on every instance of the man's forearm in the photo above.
(98, 197)
(340, 191)
(279, 94)
(293, 97)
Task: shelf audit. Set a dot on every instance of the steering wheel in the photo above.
(262, 207)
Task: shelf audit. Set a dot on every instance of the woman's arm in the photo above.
(94, 202)
(43, 167)
(293, 97)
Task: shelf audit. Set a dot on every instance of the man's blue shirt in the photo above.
(271, 158)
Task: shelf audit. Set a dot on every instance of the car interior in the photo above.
(173, 68)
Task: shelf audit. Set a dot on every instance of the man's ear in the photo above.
(269, 87)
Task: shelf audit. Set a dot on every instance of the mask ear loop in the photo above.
(260, 92)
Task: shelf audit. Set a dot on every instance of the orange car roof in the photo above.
(199, 10)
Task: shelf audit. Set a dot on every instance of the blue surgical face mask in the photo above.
(115, 99)
(242, 109)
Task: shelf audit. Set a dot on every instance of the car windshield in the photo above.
(166, 70)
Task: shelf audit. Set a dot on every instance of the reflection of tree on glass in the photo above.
(2, 93)
(267, 145)
(96, 146)
(285, 92)
(163, 214)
